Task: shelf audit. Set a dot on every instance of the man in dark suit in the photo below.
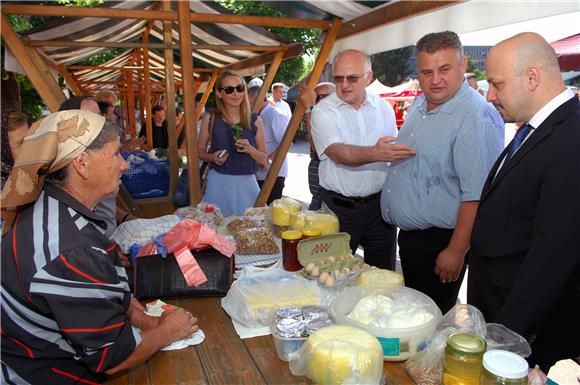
(525, 265)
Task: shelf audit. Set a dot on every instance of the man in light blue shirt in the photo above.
(433, 196)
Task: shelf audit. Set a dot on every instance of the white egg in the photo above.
(323, 277)
(309, 267)
(315, 271)
(330, 281)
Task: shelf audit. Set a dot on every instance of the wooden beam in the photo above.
(12, 40)
(297, 115)
(113, 44)
(170, 116)
(267, 82)
(267, 58)
(392, 13)
(206, 94)
(165, 15)
(189, 102)
(50, 78)
(130, 106)
(70, 81)
(147, 85)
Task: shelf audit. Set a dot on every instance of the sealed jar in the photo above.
(503, 368)
(310, 233)
(463, 356)
(290, 239)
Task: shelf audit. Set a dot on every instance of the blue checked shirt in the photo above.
(457, 144)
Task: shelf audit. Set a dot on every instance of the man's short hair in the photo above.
(436, 41)
(155, 109)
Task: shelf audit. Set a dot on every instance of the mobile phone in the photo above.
(222, 153)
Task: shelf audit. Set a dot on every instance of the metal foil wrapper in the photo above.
(316, 324)
(313, 312)
(289, 312)
(290, 328)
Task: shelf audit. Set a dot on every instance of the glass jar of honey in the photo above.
(503, 368)
(310, 233)
(290, 239)
(463, 356)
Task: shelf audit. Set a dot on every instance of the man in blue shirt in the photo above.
(433, 196)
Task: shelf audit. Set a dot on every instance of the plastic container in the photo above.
(398, 343)
(285, 346)
(462, 361)
(290, 241)
(501, 367)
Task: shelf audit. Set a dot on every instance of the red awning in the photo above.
(568, 52)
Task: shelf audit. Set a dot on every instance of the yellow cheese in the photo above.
(323, 222)
(281, 210)
(380, 277)
(342, 354)
(298, 220)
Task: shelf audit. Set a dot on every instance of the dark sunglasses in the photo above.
(352, 79)
(320, 97)
(230, 89)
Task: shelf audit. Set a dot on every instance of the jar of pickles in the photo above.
(290, 239)
(503, 368)
(463, 356)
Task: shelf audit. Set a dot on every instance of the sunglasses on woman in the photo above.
(230, 89)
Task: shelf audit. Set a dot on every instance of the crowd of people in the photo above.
(445, 180)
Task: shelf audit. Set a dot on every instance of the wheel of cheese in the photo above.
(341, 354)
(380, 277)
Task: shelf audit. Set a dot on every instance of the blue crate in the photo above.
(149, 179)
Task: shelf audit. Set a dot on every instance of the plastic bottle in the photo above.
(503, 368)
(463, 356)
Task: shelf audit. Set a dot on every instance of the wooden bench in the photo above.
(224, 358)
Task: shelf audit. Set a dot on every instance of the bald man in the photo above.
(525, 265)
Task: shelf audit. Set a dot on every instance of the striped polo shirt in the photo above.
(457, 143)
(64, 296)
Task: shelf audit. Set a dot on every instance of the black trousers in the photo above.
(419, 250)
(276, 192)
(364, 223)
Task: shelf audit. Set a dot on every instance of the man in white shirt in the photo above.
(354, 133)
(281, 105)
(275, 124)
(524, 270)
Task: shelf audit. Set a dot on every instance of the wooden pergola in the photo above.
(139, 74)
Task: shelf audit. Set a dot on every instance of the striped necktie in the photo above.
(518, 139)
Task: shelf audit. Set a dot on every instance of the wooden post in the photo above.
(70, 81)
(170, 101)
(52, 99)
(47, 74)
(297, 115)
(184, 23)
(268, 81)
(141, 94)
(130, 106)
(147, 86)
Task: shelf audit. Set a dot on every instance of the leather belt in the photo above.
(343, 200)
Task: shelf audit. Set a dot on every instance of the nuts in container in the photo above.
(243, 223)
(255, 241)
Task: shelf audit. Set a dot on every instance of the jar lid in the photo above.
(291, 235)
(505, 364)
(311, 233)
(466, 343)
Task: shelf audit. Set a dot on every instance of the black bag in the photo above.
(157, 277)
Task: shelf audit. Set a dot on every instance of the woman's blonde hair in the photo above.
(245, 110)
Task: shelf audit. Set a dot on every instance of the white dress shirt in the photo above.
(335, 121)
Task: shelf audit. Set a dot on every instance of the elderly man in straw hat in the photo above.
(67, 313)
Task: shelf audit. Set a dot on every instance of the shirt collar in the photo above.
(550, 107)
(71, 202)
(368, 99)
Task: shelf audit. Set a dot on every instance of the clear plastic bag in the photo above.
(255, 241)
(257, 293)
(339, 354)
(426, 367)
(204, 212)
(235, 225)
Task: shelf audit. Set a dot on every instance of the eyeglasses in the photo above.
(230, 89)
(351, 79)
(320, 97)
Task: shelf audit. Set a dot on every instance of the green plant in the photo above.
(237, 132)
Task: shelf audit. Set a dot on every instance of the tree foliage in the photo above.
(391, 67)
(471, 67)
(290, 71)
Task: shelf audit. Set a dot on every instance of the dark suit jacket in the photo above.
(524, 270)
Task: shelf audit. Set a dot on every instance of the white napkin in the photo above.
(155, 309)
(246, 332)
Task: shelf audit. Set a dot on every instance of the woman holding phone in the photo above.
(236, 147)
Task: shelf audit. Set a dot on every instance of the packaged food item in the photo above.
(281, 210)
(255, 241)
(339, 354)
(374, 276)
(326, 223)
(260, 212)
(501, 367)
(298, 220)
(463, 359)
(310, 233)
(243, 223)
(204, 212)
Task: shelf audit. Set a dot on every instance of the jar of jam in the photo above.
(503, 368)
(463, 356)
(290, 239)
(310, 233)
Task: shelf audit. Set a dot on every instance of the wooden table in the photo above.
(224, 358)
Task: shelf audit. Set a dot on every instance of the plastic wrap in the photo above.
(254, 296)
(255, 241)
(325, 222)
(374, 276)
(339, 354)
(426, 367)
(391, 323)
(261, 212)
(243, 223)
(204, 212)
(282, 209)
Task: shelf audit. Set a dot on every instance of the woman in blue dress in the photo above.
(231, 183)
